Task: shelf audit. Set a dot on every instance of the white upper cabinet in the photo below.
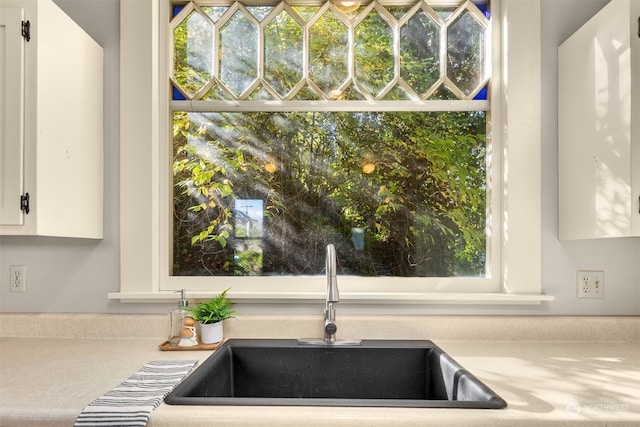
(599, 126)
(51, 123)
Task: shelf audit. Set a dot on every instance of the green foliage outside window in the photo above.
(422, 208)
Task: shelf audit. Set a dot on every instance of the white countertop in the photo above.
(48, 381)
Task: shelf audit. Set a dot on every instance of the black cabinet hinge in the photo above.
(26, 30)
(24, 203)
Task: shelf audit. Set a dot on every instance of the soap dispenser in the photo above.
(176, 317)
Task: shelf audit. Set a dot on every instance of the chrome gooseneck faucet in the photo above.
(333, 296)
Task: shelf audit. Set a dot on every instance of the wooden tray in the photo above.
(165, 346)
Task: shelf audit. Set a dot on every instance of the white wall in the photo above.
(66, 275)
(619, 258)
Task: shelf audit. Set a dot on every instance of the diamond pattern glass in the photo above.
(239, 53)
(313, 51)
(420, 52)
(283, 49)
(193, 53)
(374, 59)
(465, 53)
(328, 54)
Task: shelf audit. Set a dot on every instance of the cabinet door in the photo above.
(11, 115)
(597, 107)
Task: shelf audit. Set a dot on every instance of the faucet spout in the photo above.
(332, 281)
(332, 298)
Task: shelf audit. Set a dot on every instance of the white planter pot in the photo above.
(211, 333)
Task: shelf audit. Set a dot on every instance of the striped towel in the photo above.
(131, 402)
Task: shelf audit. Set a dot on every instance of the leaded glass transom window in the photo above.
(373, 50)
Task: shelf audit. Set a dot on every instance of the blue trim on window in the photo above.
(484, 8)
(177, 95)
(482, 95)
(177, 9)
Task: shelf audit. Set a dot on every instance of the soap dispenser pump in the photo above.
(176, 318)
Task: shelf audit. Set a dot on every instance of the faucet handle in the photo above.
(330, 327)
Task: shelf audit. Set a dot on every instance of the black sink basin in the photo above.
(374, 373)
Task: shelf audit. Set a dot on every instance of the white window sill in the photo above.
(348, 297)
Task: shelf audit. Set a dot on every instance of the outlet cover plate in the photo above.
(18, 278)
(590, 283)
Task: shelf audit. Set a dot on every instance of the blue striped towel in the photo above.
(131, 402)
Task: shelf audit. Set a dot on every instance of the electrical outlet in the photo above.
(590, 284)
(18, 278)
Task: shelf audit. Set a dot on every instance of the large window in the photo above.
(364, 125)
(512, 149)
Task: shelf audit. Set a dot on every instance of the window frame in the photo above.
(145, 128)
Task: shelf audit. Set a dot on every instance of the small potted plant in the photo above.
(210, 315)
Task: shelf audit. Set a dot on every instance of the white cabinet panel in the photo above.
(62, 100)
(599, 126)
(11, 115)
